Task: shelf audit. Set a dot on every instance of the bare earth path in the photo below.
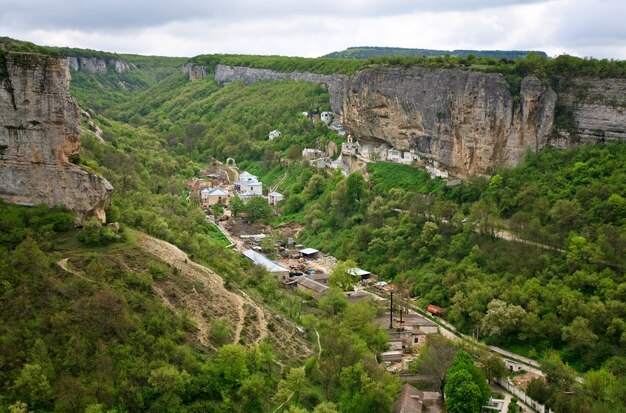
(213, 297)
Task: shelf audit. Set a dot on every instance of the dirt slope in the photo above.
(201, 293)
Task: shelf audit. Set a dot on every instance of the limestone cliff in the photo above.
(194, 71)
(334, 83)
(97, 64)
(39, 134)
(463, 122)
(598, 108)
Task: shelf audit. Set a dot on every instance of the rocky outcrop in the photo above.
(194, 71)
(39, 136)
(461, 121)
(334, 83)
(97, 64)
(598, 108)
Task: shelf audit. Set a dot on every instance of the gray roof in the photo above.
(263, 261)
(358, 271)
(308, 251)
(312, 285)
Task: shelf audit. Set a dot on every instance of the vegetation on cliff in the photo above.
(368, 52)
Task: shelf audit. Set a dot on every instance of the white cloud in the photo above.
(187, 28)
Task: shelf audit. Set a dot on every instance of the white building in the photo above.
(248, 185)
(274, 134)
(326, 117)
(274, 198)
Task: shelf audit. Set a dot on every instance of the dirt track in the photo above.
(201, 292)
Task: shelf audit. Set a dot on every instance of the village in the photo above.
(307, 270)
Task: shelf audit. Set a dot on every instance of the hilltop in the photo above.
(369, 52)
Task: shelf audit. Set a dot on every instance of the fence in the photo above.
(538, 407)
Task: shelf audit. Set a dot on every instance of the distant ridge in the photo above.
(368, 52)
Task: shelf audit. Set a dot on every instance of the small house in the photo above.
(409, 401)
(357, 272)
(273, 198)
(309, 253)
(310, 286)
(248, 185)
(318, 276)
(212, 196)
(391, 356)
(274, 134)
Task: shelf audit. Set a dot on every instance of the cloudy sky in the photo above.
(312, 28)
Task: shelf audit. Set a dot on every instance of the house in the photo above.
(412, 330)
(394, 155)
(357, 272)
(274, 198)
(309, 153)
(310, 286)
(319, 277)
(391, 356)
(354, 296)
(273, 268)
(274, 134)
(309, 253)
(326, 117)
(248, 186)
(212, 196)
(409, 401)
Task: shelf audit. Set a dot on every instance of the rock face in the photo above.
(463, 122)
(39, 134)
(97, 65)
(598, 107)
(334, 83)
(194, 71)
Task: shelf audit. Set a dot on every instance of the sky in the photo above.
(586, 28)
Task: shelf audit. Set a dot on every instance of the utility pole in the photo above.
(391, 311)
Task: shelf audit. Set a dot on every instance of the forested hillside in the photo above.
(532, 259)
(370, 52)
(442, 240)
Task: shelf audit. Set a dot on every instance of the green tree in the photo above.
(32, 387)
(257, 209)
(462, 393)
(501, 319)
(334, 302)
(237, 206)
(340, 276)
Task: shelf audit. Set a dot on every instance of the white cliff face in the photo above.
(39, 134)
(194, 71)
(97, 65)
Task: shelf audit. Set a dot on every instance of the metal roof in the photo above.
(312, 285)
(358, 271)
(262, 260)
(308, 251)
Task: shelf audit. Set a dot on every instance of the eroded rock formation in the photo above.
(39, 135)
(97, 64)
(194, 71)
(462, 121)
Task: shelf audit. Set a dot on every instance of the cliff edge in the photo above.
(463, 122)
(39, 135)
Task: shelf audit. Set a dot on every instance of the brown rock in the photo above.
(39, 133)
